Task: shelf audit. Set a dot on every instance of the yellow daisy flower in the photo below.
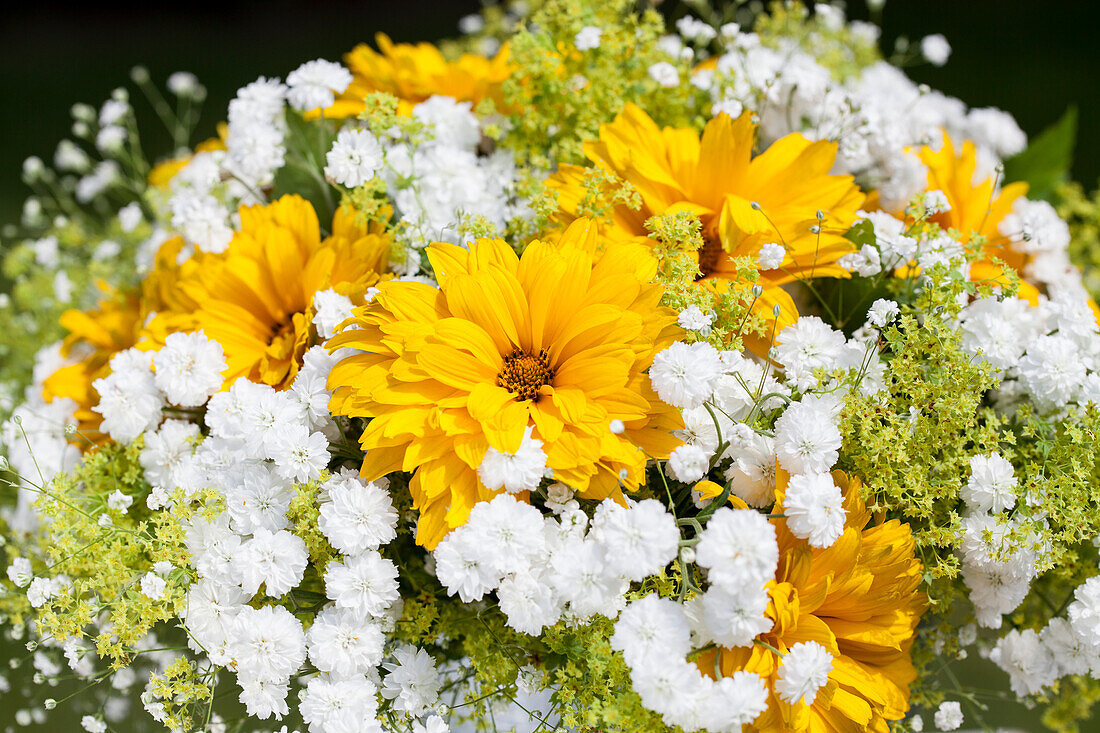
(858, 599)
(557, 342)
(976, 209)
(256, 298)
(114, 325)
(412, 73)
(743, 201)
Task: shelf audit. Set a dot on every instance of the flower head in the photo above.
(256, 297)
(550, 347)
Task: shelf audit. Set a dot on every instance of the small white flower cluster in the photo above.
(1048, 354)
(876, 116)
(185, 373)
(998, 579)
(545, 567)
(1066, 646)
(721, 394)
(439, 181)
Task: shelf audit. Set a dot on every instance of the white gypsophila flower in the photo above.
(19, 572)
(359, 516)
(684, 375)
(329, 704)
(935, 202)
(733, 617)
(807, 439)
(528, 603)
(580, 575)
(316, 83)
(459, 567)
(103, 176)
(738, 548)
(343, 643)
(166, 452)
(992, 484)
(688, 463)
(268, 644)
(118, 501)
(129, 399)
(113, 111)
(434, 724)
(261, 698)
(830, 16)
(693, 319)
(995, 129)
(46, 252)
(732, 109)
(935, 49)
(71, 157)
(210, 611)
(730, 703)
(413, 682)
(1070, 652)
(1052, 371)
(670, 688)
(640, 540)
(514, 472)
(256, 498)
(771, 256)
(299, 454)
(354, 158)
(881, 312)
(804, 670)
(696, 30)
(650, 630)
(330, 309)
(189, 368)
(1034, 226)
(93, 724)
(62, 287)
(895, 247)
(806, 345)
(814, 508)
(153, 586)
(1084, 612)
(310, 385)
(1027, 661)
(752, 472)
(275, 560)
(664, 73)
(365, 583)
(453, 123)
(201, 220)
(509, 534)
(111, 139)
(587, 38)
(948, 716)
(183, 84)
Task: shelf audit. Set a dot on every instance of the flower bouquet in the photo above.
(591, 372)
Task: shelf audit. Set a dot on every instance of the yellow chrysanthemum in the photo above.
(256, 298)
(558, 341)
(977, 209)
(414, 72)
(743, 201)
(114, 325)
(859, 599)
(95, 335)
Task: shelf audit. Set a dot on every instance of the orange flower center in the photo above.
(523, 374)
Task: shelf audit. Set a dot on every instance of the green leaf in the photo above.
(862, 233)
(1046, 162)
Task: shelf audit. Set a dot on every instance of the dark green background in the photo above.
(1030, 58)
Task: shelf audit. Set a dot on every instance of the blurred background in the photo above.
(1032, 59)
